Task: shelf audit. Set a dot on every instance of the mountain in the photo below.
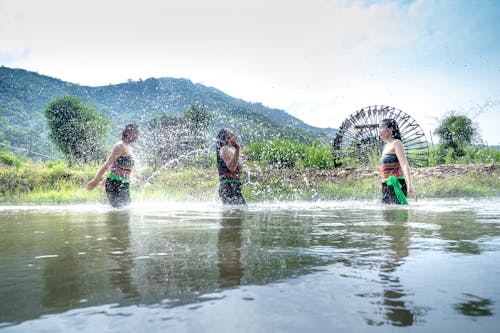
(24, 96)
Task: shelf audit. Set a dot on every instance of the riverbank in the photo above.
(58, 184)
(456, 180)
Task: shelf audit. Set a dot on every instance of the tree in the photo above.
(197, 120)
(169, 140)
(2, 134)
(456, 132)
(76, 129)
(160, 139)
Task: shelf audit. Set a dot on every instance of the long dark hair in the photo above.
(391, 123)
(221, 139)
(128, 130)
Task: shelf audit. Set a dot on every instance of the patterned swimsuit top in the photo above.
(224, 172)
(122, 166)
(389, 166)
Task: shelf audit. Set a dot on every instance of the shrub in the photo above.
(8, 159)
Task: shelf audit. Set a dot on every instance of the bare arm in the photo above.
(115, 154)
(230, 156)
(400, 153)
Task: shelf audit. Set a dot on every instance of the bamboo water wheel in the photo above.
(357, 139)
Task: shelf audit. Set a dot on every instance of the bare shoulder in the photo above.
(399, 149)
(397, 144)
(118, 148)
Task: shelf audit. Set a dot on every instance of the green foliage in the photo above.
(9, 159)
(290, 154)
(52, 172)
(198, 119)
(24, 136)
(2, 121)
(281, 154)
(350, 187)
(24, 95)
(285, 154)
(471, 154)
(273, 189)
(469, 185)
(319, 156)
(170, 140)
(180, 184)
(51, 182)
(456, 132)
(76, 129)
(56, 182)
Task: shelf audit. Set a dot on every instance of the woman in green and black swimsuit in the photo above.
(229, 168)
(120, 164)
(395, 171)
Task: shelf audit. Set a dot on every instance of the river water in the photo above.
(338, 266)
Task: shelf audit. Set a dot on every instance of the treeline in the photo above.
(290, 154)
(79, 133)
(459, 143)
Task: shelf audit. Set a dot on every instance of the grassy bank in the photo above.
(56, 183)
(51, 182)
(363, 183)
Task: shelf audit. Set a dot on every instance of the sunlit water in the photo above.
(342, 266)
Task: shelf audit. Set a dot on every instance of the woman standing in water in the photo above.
(228, 165)
(119, 164)
(394, 169)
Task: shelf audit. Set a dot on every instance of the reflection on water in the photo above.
(118, 233)
(229, 248)
(475, 306)
(357, 266)
(70, 279)
(397, 233)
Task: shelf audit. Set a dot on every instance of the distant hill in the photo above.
(24, 96)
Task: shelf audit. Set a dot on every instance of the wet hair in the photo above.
(222, 138)
(128, 130)
(391, 123)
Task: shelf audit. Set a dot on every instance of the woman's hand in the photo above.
(412, 191)
(91, 184)
(232, 141)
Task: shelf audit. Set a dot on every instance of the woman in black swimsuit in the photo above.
(229, 168)
(395, 171)
(120, 164)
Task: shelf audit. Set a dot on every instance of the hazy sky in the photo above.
(319, 60)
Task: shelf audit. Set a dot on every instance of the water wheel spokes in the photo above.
(357, 140)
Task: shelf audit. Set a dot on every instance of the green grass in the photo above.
(56, 183)
(470, 185)
(181, 185)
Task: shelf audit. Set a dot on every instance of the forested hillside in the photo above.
(24, 96)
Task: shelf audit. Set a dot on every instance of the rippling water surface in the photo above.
(341, 266)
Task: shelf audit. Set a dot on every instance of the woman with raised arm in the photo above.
(119, 164)
(229, 168)
(395, 170)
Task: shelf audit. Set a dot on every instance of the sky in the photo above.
(319, 60)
